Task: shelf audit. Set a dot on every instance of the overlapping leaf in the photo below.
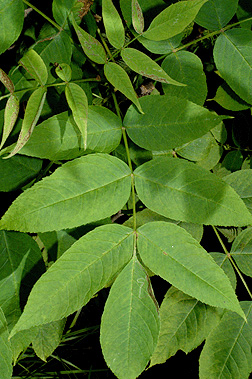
(130, 323)
(113, 24)
(227, 351)
(84, 190)
(118, 77)
(172, 253)
(216, 13)
(32, 113)
(241, 182)
(232, 55)
(168, 122)
(64, 72)
(228, 99)
(35, 66)
(184, 323)
(5, 349)
(10, 117)
(144, 65)
(173, 20)
(187, 68)
(19, 254)
(12, 18)
(183, 191)
(84, 269)
(78, 103)
(241, 251)
(58, 137)
(90, 45)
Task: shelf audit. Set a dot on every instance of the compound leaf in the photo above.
(130, 323)
(84, 190)
(227, 351)
(183, 191)
(84, 269)
(172, 253)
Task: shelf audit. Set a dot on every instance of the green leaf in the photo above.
(241, 251)
(227, 351)
(78, 103)
(20, 342)
(10, 117)
(7, 82)
(233, 160)
(32, 114)
(84, 269)
(17, 171)
(90, 45)
(130, 323)
(35, 66)
(172, 253)
(232, 55)
(5, 349)
(62, 10)
(12, 18)
(59, 138)
(241, 182)
(118, 77)
(173, 20)
(64, 72)
(183, 191)
(187, 68)
(216, 13)
(228, 99)
(223, 261)
(113, 24)
(84, 190)
(147, 215)
(137, 17)
(47, 338)
(168, 122)
(144, 65)
(19, 256)
(184, 324)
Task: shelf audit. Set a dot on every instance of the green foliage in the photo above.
(140, 115)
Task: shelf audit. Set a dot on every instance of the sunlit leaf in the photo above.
(130, 323)
(137, 17)
(10, 117)
(180, 190)
(144, 65)
(84, 269)
(12, 18)
(35, 66)
(7, 82)
(5, 349)
(84, 190)
(113, 24)
(172, 253)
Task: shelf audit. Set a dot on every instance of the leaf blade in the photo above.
(78, 103)
(10, 117)
(173, 20)
(113, 24)
(172, 253)
(144, 65)
(183, 191)
(129, 330)
(35, 66)
(11, 14)
(118, 77)
(92, 187)
(88, 265)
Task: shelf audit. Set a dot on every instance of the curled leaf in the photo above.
(10, 117)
